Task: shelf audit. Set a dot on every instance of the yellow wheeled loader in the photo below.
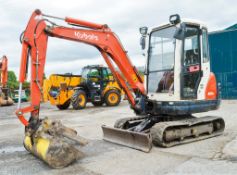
(96, 85)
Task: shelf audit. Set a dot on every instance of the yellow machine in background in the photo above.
(96, 85)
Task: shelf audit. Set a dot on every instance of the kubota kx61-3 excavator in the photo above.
(5, 99)
(178, 80)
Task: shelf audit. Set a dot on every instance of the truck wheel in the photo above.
(64, 106)
(79, 99)
(97, 103)
(112, 98)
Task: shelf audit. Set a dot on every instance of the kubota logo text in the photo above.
(86, 36)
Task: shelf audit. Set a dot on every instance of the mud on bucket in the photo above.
(54, 149)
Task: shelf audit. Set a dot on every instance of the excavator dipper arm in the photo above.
(3, 71)
(34, 46)
(5, 99)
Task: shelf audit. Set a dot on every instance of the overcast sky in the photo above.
(123, 16)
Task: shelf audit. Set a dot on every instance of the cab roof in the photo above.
(95, 66)
(183, 20)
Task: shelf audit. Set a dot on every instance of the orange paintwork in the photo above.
(211, 89)
(3, 71)
(84, 23)
(100, 36)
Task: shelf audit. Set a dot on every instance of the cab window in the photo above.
(191, 47)
(205, 53)
(105, 73)
(94, 72)
(161, 61)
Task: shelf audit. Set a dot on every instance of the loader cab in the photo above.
(178, 68)
(95, 74)
(97, 86)
(95, 79)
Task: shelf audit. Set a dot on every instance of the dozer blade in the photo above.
(136, 140)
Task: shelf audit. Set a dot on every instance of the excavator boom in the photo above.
(34, 46)
(5, 100)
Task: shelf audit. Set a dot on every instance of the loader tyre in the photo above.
(112, 98)
(64, 106)
(97, 103)
(79, 99)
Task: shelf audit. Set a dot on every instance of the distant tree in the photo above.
(12, 81)
(26, 85)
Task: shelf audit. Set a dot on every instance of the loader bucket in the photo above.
(135, 140)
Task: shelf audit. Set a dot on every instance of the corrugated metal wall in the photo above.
(223, 52)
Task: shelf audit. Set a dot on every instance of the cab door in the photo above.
(94, 78)
(191, 71)
(161, 61)
(105, 77)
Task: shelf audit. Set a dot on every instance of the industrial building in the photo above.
(223, 52)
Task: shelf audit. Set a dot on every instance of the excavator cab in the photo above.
(178, 76)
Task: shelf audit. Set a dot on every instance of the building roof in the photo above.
(233, 27)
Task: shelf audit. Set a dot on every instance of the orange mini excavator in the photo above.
(5, 100)
(178, 80)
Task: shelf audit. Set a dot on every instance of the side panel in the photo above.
(211, 88)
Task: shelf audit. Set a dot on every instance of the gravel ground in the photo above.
(215, 156)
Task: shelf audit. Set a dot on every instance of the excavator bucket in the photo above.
(54, 143)
(135, 140)
(4, 102)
